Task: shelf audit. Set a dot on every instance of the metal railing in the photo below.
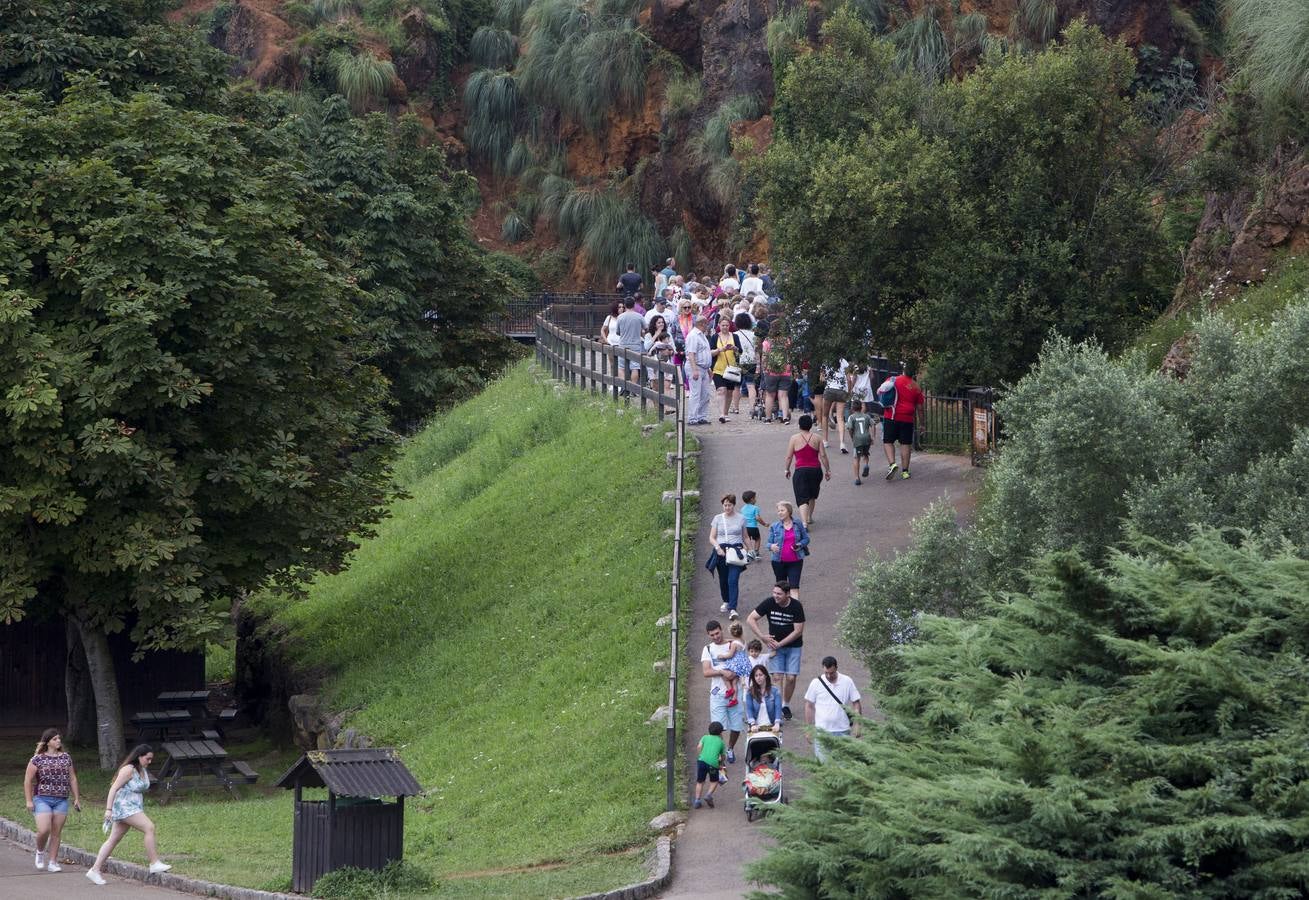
(520, 313)
(586, 364)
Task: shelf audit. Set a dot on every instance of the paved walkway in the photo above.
(745, 455)
(20, 878)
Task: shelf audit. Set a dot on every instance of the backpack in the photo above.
(886, 394)
(747, 342)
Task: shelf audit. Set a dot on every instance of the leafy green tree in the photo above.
(185, 414)
(1132, 730)
(391, 211)
(43, 43)
(979, 213)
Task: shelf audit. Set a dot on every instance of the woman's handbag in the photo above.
(732, 374)
(735, 556)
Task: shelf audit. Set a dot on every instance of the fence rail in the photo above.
(602, 368)
(520, 314)
(589, 365)
(954, 423)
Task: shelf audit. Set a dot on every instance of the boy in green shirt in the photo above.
(860, 426)
(709, 760)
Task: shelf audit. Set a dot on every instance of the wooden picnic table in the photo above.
(196, 702)
(162, 723)
(189, 759)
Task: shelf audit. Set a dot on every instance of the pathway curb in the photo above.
(661, 873)
(78, 857)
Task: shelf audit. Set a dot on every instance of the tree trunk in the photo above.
(78, 692)
(108, 711)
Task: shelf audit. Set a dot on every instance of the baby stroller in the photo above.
(763, 777)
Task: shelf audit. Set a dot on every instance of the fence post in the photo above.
(659, 382)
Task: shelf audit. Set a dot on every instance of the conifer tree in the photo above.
(1134, 729)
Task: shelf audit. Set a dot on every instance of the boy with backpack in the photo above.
(860, 427)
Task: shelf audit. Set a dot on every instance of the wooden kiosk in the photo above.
(354, 826)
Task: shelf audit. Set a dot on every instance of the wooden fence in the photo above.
(589, 365)
(963, 422)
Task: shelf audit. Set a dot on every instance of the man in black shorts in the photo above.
(898, 422)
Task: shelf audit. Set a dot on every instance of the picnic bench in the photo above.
(161, 724)
(194, 702)
(202, 763)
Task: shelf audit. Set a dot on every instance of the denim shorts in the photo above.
(50, 805)
(732, 718)
(785, 661)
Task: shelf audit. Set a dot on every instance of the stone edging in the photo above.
(20, 835)
(661, 873)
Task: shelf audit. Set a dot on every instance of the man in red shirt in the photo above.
(898, 421)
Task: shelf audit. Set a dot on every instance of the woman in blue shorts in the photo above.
(50, 778)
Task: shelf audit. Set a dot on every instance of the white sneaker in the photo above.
(94, 877)
(158, 867)
(40, 860)
(54, 867)
(723, 608)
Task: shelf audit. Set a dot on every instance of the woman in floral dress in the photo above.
(125, 810)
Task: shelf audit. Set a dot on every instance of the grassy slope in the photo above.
(500, 630)
(1253, 307)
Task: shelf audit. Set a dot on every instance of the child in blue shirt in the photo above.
(753, 521)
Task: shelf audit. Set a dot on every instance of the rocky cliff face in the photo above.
(1242, 230)
(724, 40)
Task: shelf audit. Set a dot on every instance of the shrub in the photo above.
(618, 233)
(493, 48)
(521, 277)
(1273, 41)
(921, 44)
(682, 95)
(1097, 450)
(332, 10)
(397, 878)
(785, 35)
(1036, 21)
(679, 246)
(892, 594)
(361, 78)
(491, 103)
(715, 141)
(514, 229)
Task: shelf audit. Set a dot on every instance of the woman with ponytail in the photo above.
(125, 810)
(49, 779)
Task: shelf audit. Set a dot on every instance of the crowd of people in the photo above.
(724, 334)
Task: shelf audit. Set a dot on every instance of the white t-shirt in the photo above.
(836, 380)
(828, 714)
(710, 655)
(752, 284)
(609, 323)
(728, 283)
(669, 314)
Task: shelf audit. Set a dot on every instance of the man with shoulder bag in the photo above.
(830, 705)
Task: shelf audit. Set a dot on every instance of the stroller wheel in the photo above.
(749, 813)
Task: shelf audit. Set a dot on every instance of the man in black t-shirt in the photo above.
(785, 636)
(629, 282)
